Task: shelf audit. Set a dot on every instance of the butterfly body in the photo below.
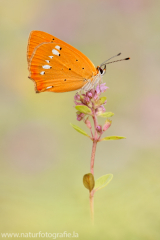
(56, 66)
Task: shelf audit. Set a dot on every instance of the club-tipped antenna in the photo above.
(106, 62)
(118, 60)
(109, 59)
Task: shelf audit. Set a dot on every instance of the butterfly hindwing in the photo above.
(36, 38)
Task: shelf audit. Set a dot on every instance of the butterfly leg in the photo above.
(86, 86)
(96, 80)
(100, 82)
(92, 83)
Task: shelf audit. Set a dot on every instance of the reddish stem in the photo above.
(95, 140)
(93, 156)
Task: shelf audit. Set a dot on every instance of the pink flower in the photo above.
(101, 88)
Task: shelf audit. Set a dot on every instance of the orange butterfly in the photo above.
(56, 66)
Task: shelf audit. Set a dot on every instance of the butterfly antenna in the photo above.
(110, 58)
(106, 62)
(118, 60)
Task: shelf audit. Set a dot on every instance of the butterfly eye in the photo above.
(102, 71)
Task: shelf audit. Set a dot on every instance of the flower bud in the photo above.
(80, 116)
(99, 129)
(89, 94)
(88, 181)
(77, 97)
(87, 122)
(101, 109)
(87, 99)
(107, 124)
(95, 96)
(81, 98)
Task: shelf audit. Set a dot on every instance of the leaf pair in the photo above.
(78, 129)
(90, 184)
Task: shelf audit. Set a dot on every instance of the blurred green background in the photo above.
(43, 160)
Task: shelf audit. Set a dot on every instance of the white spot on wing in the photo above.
(47, 61)
(51, 57)
(46, 67)
(42, 73)
(57, 47)
(55, 52)
(49, 87)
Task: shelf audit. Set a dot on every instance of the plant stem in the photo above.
(91, 198)
(95, 139)
(91, 195)
(93, 156)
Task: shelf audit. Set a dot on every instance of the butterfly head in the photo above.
(101, 70)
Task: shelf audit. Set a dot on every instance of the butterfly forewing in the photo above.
(58, 67)
(38, 37)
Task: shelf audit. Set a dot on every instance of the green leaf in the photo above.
(88, 181)
(83, 109)
(102, 181)
(101, 101)
(78, 129)
(112, 138)
(106, 114)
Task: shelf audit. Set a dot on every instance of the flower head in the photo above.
(91, 99)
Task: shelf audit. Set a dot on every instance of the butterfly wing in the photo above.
(38, 37)
(59, 67)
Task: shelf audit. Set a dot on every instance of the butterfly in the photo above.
(56, 66)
